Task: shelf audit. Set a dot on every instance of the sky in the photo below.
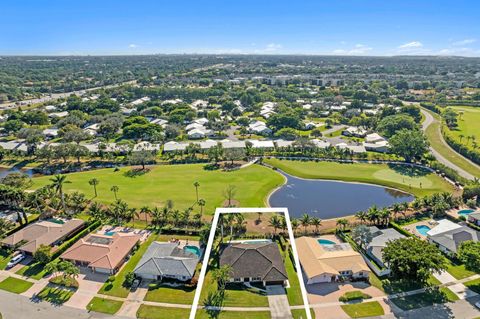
(340, 27)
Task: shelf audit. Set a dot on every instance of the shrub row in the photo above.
(463, 149)
(67, 244)
(400, 229)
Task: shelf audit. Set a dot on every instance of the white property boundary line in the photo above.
(211, 238)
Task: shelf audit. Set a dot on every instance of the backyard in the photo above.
(175, 182)
(417, 181)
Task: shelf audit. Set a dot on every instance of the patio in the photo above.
(412, 228)
(110, 230)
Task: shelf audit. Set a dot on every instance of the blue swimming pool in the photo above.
(465, 212)
(110, 233)
(192, 249)
(322, 241)
(423, 229)
(259, 241)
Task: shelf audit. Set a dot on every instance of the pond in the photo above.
(330, 199)
(5, 171)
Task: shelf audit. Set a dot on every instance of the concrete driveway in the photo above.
(88, 285)
(330, 292)
(278, 302)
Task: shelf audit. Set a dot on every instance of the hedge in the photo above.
(353, 295)
(67, 244)
(400, 229)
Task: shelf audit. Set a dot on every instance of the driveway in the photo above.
(278, 302)
(88, 285)
(330, 292)
(459, 289)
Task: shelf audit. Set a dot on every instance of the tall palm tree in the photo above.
(396, 209)
(305, 221)
(115, 190)
(201, 203)
(230, 220)
(342, 222)
(373, 214)
(146, 211)
(275, 223)
(196, 184)
(57, 182)
(384, 216)
(294, 223)
(94, 182)
(317, 222)
(362, 216)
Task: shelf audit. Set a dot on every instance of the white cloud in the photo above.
(464, 42)
(270, 48)
(458, 51)
(409, 45)
(358, 49)
(132, 46)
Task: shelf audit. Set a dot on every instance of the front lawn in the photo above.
(417, 181)
(15, 285)
(425, 299)
(459, 271)
(4, 258)
(168, 294)
(473, 285)
(103, 305)
(34, 270)
(202, 314)
(302, 314)
(175, 182)
(116, 288)
(154, 312)
(354, 295)
(365, 309)
(55, 295)
(294, 293)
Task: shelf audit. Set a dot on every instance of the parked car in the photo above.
(15, 260)
(135, 284)
(477, 304)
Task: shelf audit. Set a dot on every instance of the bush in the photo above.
(68, 282)
(353, 295)
(129, 279)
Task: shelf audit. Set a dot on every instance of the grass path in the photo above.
(175, 182)
(417, 181)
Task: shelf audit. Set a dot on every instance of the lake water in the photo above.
(5, 171)
(330, 199)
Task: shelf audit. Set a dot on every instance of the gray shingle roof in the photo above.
(254, 260)
(166, 259)
(452, 239)
(380, 240)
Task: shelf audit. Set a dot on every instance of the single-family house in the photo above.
(380, 239)
(50, 132)
(474, 218)
(254, 262)
(354, 131)
(329, 263)
(103, 253)
(267, 144)
(449, 239)
(259, 127)
(167, 260)
(46, 232)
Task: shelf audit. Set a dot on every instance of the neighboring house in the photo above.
(449, 239)
(474, 218)
(259, 127)
(58, 114)
(166, 260)
(379, 241)
(354, 131)
(173, 146)
(381, 147)
(50, 132)
(329, 263)
(102, 253)
(197, 133)
(262, 144)
(250, 262)
(46, 232)
(374, 138)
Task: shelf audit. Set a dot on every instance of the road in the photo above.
(429, 119)
(20, 307)
(56, 96)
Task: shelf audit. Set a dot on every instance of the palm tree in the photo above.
(317, 222)
(196, 184)
(362, 216)
(157, 216)
(146, 211)
(343, 223)
(384, 216)
(461, 136)
(96, 211)
(305, 221)
(94, 182)
(373, 214)
(201, 203)
(115, 189)
(396, 208)
(221, 276)
(230, 220)
(57, 182)
(294, 223)
(275, 223)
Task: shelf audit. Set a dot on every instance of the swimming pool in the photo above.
(192, 249)
(465, 212)
(259, 241)
(322, 241)
(110, 233)
(56, 221)
(423, 229)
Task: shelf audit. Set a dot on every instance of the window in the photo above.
(237, 279)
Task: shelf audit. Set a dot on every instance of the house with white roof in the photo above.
(354, 131)
(50, 132)
(448, 236)
(262, 144)
(173, 146)
(259, 127)
(58, 114)
(160, 122)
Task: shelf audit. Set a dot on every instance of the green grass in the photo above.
(425, 299)
(302, 314)
(459, 271)
(354, 295)
(202, 314)
(55, 295)
(436, 141)
(419, 182)
(15, 285)
(154, 312)
(473, 285)
(366, 309)
(294, 293)
(4, 258)
(175, 182)
(236, 295)
(167, 294)
(103, 305)
(34, 270)
(116, 287)
(467, 124)
(395, 286)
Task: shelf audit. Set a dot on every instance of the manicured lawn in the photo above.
(467, 124)
(55, 295)
(167, 294)
(417, 181)
(236, 295)
(202, 314)
(33, 270)
(116, 287)
(365, 309)
(175, 182)
(154, 312)
(15, 285)
(301, 314)
(459, 271)
(103, 305)
(391, 286)
(434, 296)
(473, 285)
(294, 293)
(434, 137)
(4, 258)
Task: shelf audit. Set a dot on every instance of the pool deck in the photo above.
(454, 212)
(412, 227)
(333, 238)
(124, 230)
